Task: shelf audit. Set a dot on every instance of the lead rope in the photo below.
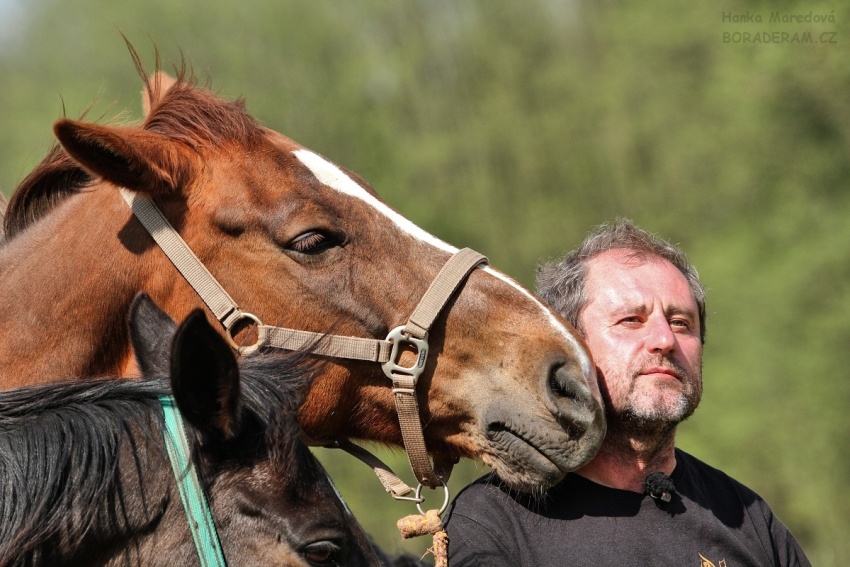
(414, 525)
(189, 486)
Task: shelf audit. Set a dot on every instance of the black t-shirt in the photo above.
(712, 521)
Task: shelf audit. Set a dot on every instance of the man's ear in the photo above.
(205, 378)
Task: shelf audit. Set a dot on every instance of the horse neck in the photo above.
(66, 283)
(144, 518)
(106, 510)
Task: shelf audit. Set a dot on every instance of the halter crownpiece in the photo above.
(414, 333)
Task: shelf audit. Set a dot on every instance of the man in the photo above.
(641, 501)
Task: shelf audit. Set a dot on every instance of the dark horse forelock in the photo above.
(175, 108)
(54, 469)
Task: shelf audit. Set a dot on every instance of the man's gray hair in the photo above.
(561, 283)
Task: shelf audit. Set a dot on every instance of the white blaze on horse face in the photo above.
(335, 178)
(332, 176)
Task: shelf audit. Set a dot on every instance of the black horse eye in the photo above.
(322, 553)
(313, 242)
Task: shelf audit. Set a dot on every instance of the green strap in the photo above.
(191, 492)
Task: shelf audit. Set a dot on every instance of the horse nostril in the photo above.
(570, 398)
(561, 385)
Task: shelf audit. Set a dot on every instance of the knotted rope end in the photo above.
(420, 524)
(428, 523)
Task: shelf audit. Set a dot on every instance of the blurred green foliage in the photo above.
(513, 127)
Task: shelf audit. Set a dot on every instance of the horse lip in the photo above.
(496, 428)
(505, 432)
(538, 467)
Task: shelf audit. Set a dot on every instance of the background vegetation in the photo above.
(513, 127)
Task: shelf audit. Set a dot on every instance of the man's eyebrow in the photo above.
(687, 312)
(630, 309)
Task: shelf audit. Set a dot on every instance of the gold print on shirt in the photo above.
(706, 563)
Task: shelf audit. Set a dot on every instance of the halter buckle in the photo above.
(392, 368)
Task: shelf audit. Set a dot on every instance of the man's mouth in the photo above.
(662, 370)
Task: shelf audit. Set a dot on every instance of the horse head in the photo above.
(86, 479)
(302, 243)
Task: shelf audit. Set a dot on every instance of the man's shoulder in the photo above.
(728, 499)
(487, 493)
(694, 474)
(478, 523)
(738, 507)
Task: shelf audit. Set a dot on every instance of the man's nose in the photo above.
(660, 337)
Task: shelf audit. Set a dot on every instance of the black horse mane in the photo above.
(60, 446)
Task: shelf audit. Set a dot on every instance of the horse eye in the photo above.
(322, 553)
(312, 242)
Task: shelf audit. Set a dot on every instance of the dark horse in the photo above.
(300, 243)
(85, 479)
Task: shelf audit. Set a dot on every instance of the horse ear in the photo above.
(155, 89)
(151, 333)
(205, 378)
(137, 159)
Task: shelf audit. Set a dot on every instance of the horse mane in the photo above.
(60, 446)
(176, 108)
(52, 180)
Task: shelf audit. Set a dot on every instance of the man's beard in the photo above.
(662, 414)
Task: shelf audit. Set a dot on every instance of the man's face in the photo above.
(642, 325)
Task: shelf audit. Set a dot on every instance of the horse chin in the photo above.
(530, 461)
(520, 464)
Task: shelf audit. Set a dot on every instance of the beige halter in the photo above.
(386, 352)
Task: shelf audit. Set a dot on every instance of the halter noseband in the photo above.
(414, 333)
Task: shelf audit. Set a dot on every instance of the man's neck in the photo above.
(625, 460)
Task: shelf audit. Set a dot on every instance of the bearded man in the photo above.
(640, 306)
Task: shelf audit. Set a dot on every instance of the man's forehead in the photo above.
(621, 276)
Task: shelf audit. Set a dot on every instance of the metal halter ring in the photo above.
(243, 350)
(420, 500)
(391, 366)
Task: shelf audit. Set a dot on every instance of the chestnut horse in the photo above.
(85, 476)
(299, 242)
